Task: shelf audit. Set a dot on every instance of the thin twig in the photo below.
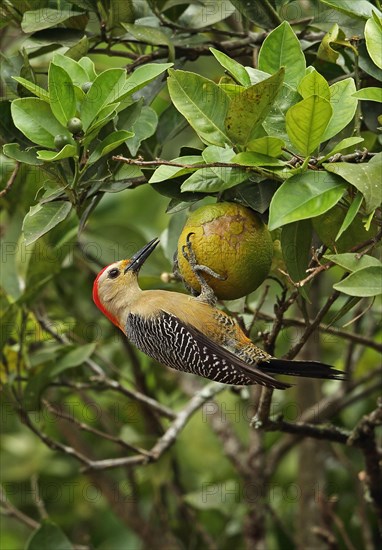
(160, 162)
(293, 351)
(323, 409)
(11, 180)
(40, 505)
(169, 437)
(352, 336)
(49, 442)
(207, 393)
(257, 310)
(323, 267)
(281, 307)
(306, 429)
(101, 378)
(85, 427)
(12, 511)
(363, 437)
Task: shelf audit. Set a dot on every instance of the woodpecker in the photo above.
(187, 334)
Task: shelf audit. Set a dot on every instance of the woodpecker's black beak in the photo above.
(141, 256)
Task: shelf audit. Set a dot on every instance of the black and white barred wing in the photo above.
(179, 346)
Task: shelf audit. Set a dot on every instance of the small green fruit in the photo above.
(74, 125)
(60, 140)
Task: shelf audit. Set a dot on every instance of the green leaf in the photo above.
(108, 144)
(122, 180)
(164, 172)
(348, 306)
(42, 218)
(256, 195)
(235, 69)
(77, 73)
(48, 537)
(304, 196)
(363, 282)
(344, 106)
(35, 119)
(261, 13)
(202, 103)
(364, 176)
(72, 356)
(306, 123)
(256, 75)
(151, 35)
(203, 180)
(314, 84)
(143, 128)
(61, 93)
(366, 63)
(203, 14)
(36, 20)
(282, 48)
(275, 124)
(87, 64)
(106, 114)
(267, 145)
(248, 109)
(361, 9)
(350, 214)
(296, 241)
(120, 11)
(369, 94)
(373, 36)
(343, 144)
(79, 50)
(142, 76)
(105, 90)
(67, 151)
(13, 151)
(325, 50)
(206, 180)
(352, 262)
(248, 158)
(35, 387)
(36, 90)
(219, 154)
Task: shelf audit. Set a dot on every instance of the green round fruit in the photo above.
(60, 140)
(233, 241)
(327, 226)
(74, 125)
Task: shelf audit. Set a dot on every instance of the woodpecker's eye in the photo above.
(113, 273)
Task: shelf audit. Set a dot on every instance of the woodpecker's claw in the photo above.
(206, 292)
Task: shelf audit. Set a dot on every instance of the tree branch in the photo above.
(169, 437)
(293, 351)
(12, 511)
(363, 438)
(306, 429)
(11, 180)
(352, 336)
(101, 378)
(323, 409)
(271, 174)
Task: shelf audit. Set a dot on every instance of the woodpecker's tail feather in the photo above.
(308, 369)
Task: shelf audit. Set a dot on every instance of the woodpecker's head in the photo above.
(116, 286)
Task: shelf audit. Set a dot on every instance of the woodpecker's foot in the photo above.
(206, 292)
